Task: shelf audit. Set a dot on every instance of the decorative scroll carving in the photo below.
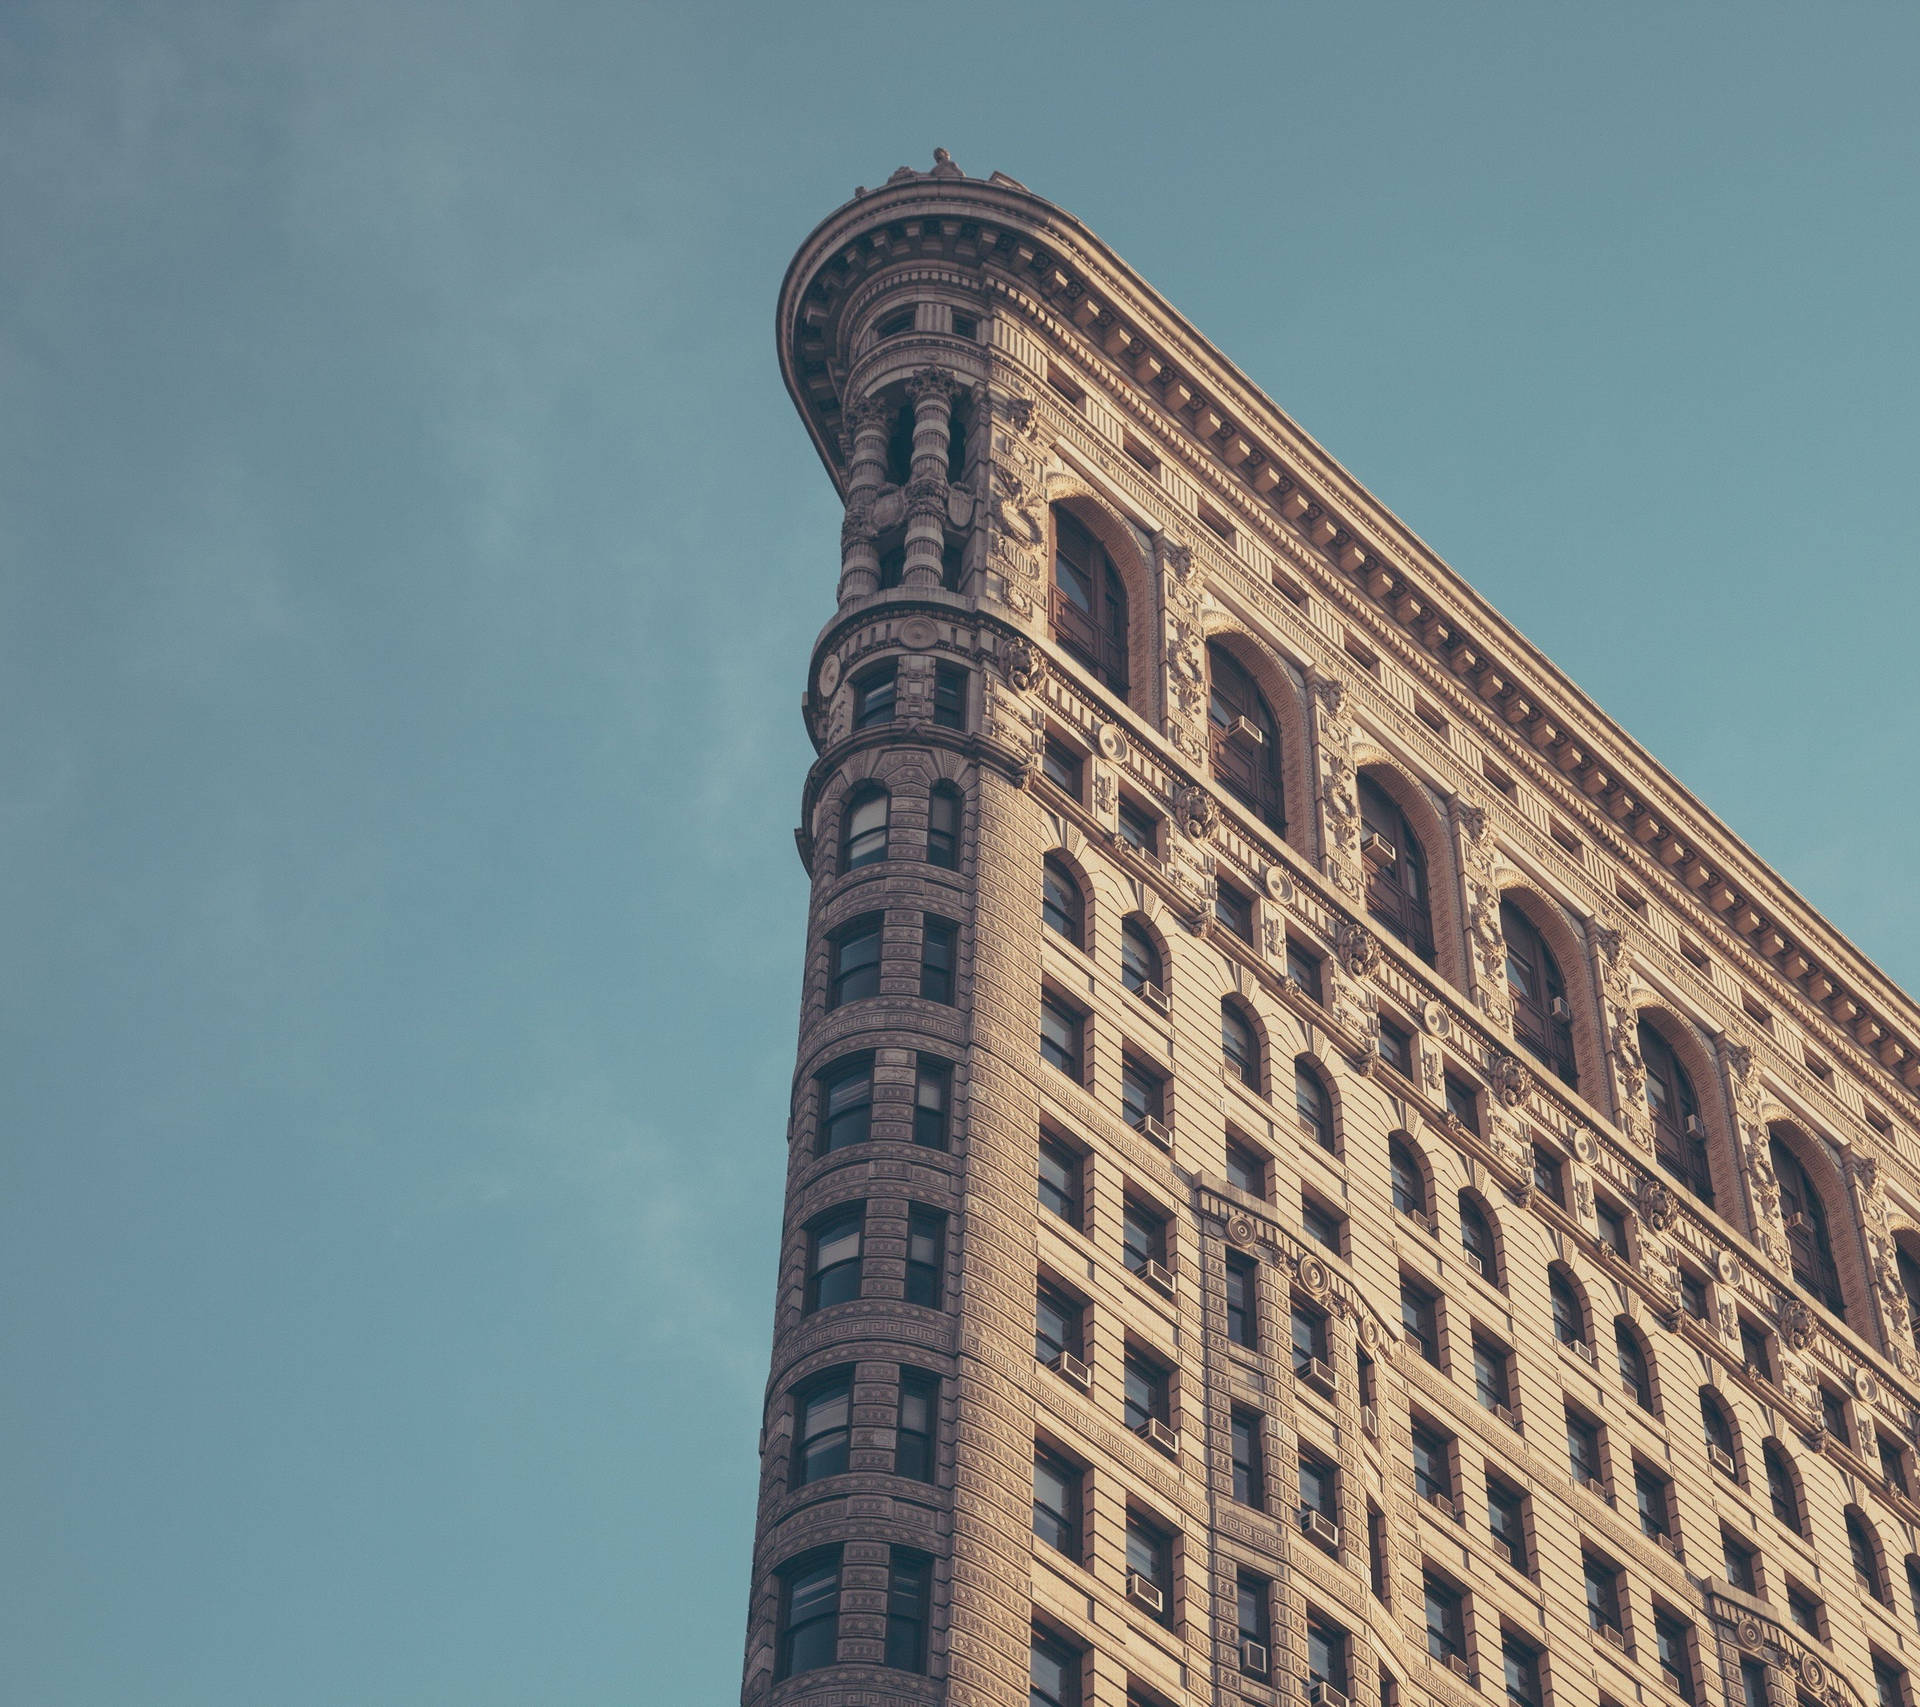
(1339, 792)
(1488, 941)
(927, 496)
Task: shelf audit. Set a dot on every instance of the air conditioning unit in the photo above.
(1155, 1129)
(1561, 1009)
(1157, 1274)
(1318, 1527)
(1457, 1665)
(1615, 1635)
(1317, 1372)
(1582, 1349)
(1253, 1658)
(1671, 1543)
(1722, 1460)
(1696, 1127)
(1475, 1261)
(1320, 1693)
(1245, 729)
(1798, 1223)
(1143, 1593)
(1156, 1433)
(1066, 1364)
(1441, 1503)
(1593, 1484)
(1376, 846)
(1155, 997)
(1370, 1420)
(1508, 1415)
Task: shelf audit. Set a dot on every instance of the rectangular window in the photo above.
(937, 939)
(1738, 1560)
(855, 951)
(909, 1582)
(1327, 1654)
(1804, 1611)
(1506, 1522)
(1522, 1663)
(1653, 1495)
(1833, 1413)
(1139, 828)
(1432, 1464)
(1753, 1683)
(1060, 1181)
(1491, 1381)
(1142, 1095)
(1054, 1668)
(949, 696)
(1056, 1502)
(846, 1104)
(833, 1261)
(1420, 1316)
(943, 828)
(1462, 1103)
(1613, 1226)
(1603, 1594)
(1322, 1226)
(1753, 1349)
(1233, 910)
(823, 1428)
(809, 1614)
(1249, 1472)
(1693, 1294)
(1255, 1609)
(1246, 1169)
(1061, 766)
(1583, 1449)
(932, 1101)
(926, 1257)
(1446, 1625)
(1889, 1683)
(1396, 1048)
(1056, 1323)
(1377, 1553)
(1060, 1029)
(1304, 969)
(1242, 1320)
(1150, 1556)
(1893, 1464)
(1548, 1176)
(914, 1425)
(1144, 1393)
(1320, 1488)
(1143, 1236)
(1308, 1328)
(1671, 1640)
(873, 697)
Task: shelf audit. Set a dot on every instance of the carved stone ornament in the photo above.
(1584, 1146)
(1437, 1020)
(1240, 1229)
(1812, 1673)
(927, 496)
(1370, 1333)
(1511, 1081)
(1178, 558)
(1312, 1275)
(1658, 1205)
(1019, 413)
(1113, 743)
(1727, 1266)
(865, 414)
(1279, 883)
(1865, 1385)
(1021, 664)
(1196, 811)
(858, 523)
(1357, 949)
(1796, 1324)
(1748, 1632)
(918, 632)
(933, 382)
(829, 675)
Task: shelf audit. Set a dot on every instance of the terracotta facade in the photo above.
(1316, 1170)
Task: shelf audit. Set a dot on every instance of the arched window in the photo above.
(1312, 1105)
(943, 826)
(1542, 1016)
(1476, 1238)
(1396, 869)
(1240, 1044)
(1635, 1376)
(1866, 1556)
(1718, 1431)
(866, 837)
(1245, 738)
(1088, 608)
(1062, 910)
(1783, 1487)
(1569, 1312)
(1806, 1218)
(1407, 1178)
(1139, 958)
(1679, 1134)
(1910, 1284)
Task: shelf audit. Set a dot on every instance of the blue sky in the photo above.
(408, 559)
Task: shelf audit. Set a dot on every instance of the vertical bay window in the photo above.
(854, 961)
(914, 1421)
(909, 1592)
(1056, 1501)
(926, 1257)
(866, 834)
(1542, 1016)
(874, 695)
(1245, 739)
(823, 1427)
(1243, 1321)
(939, 942)
(943, 827)
(833, 1257)
(1679, 1132)
(1805, 1214)
(932, 1101)
(809, 1614)
(1061, 1032)
(1088, 605)
(846, 1105)
(1396, 869)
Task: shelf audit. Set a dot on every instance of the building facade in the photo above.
(1317, 1171)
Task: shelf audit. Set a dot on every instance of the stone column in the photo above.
(932, 391)
(859, 556)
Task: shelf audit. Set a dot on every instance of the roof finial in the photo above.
(943, 166)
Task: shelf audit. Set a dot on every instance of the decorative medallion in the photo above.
(829, 675)
(1747, 1632)
(1658, 1206)
(1727, 1266)
(1584, 1146)
(1113, 743)
(1312, 1274)
(1240, 1229)
(1438, 1021)
(1796, 1324)
(1812, 1673)
(1370, 1334)
(1865, 1385)
(918, 632)
(1279, 883)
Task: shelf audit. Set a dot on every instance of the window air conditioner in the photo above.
(1441, 1503)
(1143, 1593)
(1721, 1459)
(1157, 1274)
(1153, 1128)
(1155, 997)
(1561, 1009)
(1615, 1635)
(1320, 1693)
(1671, 1543)
(1376, 846)
(1456, 1665)
(1473, 1258)
(1317, 1372)
(1507, 1415)
(1253, 1658)
(1370, 1419)
(1798, 1223)
(1319, 1527)
(1073, 1369)
(1245, 729)
(1696, 1127)
(1582, 1349)
(1156, 1433)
